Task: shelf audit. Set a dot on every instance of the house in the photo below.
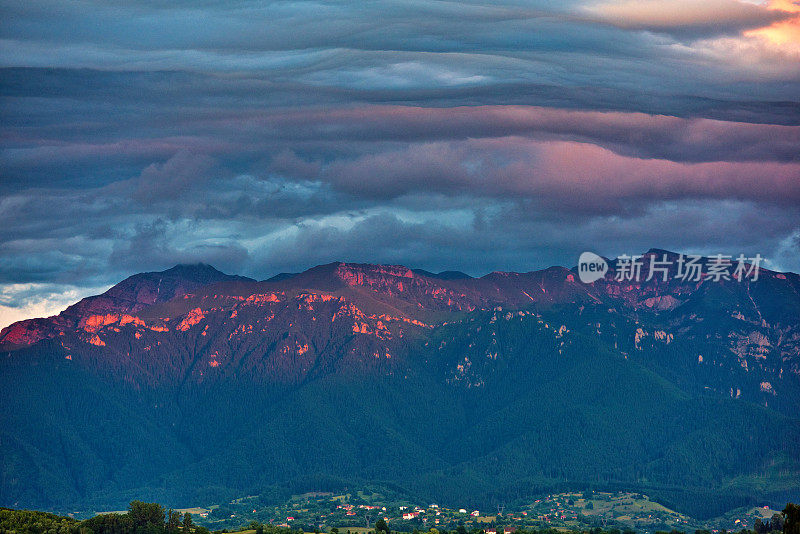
(475, 513)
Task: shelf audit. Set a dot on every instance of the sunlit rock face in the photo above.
(118, 304)
(196, 323)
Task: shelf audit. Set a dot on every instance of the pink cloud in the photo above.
(628, 133)
(560, 174)
(683, 15)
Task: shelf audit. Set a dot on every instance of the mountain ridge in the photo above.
(200, 274)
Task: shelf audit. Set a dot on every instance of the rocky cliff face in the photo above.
(195, 323)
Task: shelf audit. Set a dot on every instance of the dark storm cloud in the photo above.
(174, 178)
(267, 137)
(150, 247)
(514, 236)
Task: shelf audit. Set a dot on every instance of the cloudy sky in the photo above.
(264, 137)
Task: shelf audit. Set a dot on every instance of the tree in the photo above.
(791, 523)
(146, 514)
(221, 512)
(173, 521)
(187, 523)
(381, 526)
(777, 522)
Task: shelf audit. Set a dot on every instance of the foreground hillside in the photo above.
(190, 384)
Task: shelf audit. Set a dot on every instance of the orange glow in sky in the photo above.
(785, 32)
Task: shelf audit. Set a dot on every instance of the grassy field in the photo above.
(194, 511)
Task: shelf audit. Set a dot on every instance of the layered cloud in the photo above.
(571, 176)
(475, 136)
(687, 17)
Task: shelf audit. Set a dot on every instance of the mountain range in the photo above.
(190, 386)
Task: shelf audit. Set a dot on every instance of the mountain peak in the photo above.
(193, 267)
(127, 297)
(197, 272)
(661, 252)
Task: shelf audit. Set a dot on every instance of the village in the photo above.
(358, 512)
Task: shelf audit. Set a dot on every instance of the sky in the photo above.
(267, 137)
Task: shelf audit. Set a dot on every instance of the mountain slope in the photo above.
(191, 384)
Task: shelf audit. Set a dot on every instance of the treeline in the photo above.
(142, 518)
(152, 518)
